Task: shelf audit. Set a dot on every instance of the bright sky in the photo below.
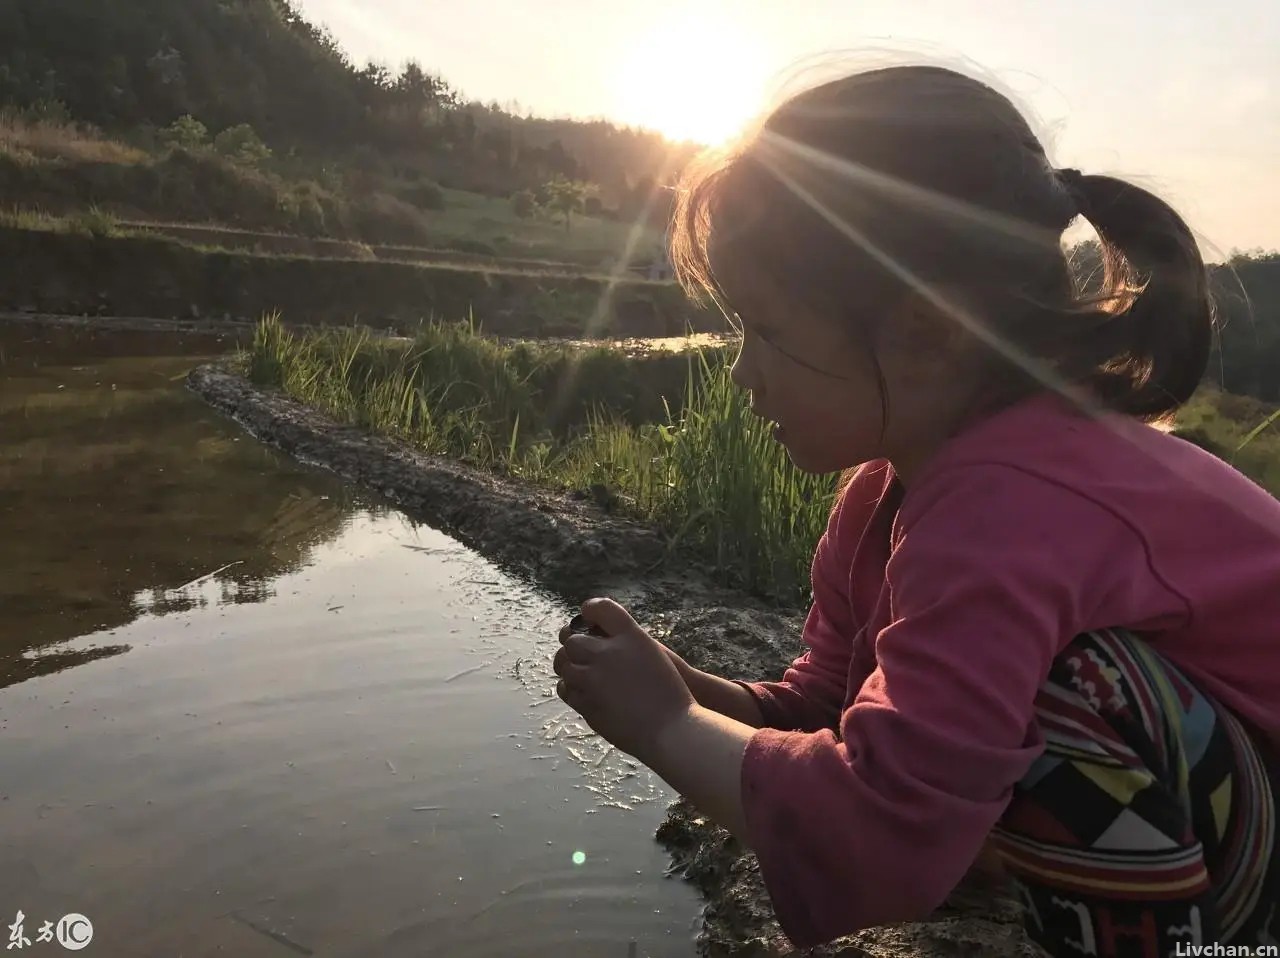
(1181, 95)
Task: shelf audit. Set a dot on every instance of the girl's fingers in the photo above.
(564, 665)
(560, 659)
(609, 615)
(570, 694)
(570, 631)
(583, 648)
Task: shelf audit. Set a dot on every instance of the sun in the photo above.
(692, 77)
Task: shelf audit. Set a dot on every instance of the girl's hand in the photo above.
(626, 684)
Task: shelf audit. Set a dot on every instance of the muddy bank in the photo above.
(318, 247)
(230, 329)
(575, 548)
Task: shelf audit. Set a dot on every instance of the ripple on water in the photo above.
(317, 723)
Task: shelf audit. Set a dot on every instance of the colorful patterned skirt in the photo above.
(1149, 822)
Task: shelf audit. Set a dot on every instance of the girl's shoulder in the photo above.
(1048, 446)
(865, 506)
(863, 491)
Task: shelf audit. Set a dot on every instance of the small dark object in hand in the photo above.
(580, 626)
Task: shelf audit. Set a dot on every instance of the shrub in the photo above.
(424, 195)
(524, 204)
(25, 137)
(310, 212)
(202, 186)
(241, 144)
(186, 132)
(383, 218)
(47, 110)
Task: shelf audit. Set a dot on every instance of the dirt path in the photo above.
(575, 549)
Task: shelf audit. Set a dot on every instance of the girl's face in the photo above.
(810, 375)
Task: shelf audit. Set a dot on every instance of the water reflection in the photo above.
(336, 732)
(673, 344)
(121, 494)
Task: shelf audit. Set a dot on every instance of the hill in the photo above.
(133, 67)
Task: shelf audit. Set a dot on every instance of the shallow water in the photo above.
(343, 741)
(638, 345)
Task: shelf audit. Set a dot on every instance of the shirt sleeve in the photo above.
(813, 690)
(879, 823)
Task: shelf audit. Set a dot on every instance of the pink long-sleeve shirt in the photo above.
(894, 742)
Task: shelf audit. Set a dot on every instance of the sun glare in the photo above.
(692, 77)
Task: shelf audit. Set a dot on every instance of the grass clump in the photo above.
(56, 139)
(93, 221)
(666, 438)
(1238, 429)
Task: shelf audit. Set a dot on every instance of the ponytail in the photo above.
(1148, 346)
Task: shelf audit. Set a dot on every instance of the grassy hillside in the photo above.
(469, 220)
(1240, 429)
(62, 168)
(134, 67)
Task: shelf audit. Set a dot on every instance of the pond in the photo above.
(244, 710)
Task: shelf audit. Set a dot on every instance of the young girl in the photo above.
(1041, 628)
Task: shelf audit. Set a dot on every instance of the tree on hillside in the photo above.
(119, 63)
(242, 145)
(524, 204)
(186, 132)
(566, 197)
(1247, 348)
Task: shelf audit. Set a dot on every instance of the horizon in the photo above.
(1185, 103)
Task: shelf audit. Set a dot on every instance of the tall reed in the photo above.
(704, 470)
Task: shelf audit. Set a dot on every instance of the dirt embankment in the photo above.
(574, 548)
(154, 276)
(318, 247)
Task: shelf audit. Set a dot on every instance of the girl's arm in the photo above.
(700, 756)
(726, 697)
(815, 688)
(811, 692)
(879, 822)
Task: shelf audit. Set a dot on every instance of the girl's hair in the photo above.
(855, 193)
